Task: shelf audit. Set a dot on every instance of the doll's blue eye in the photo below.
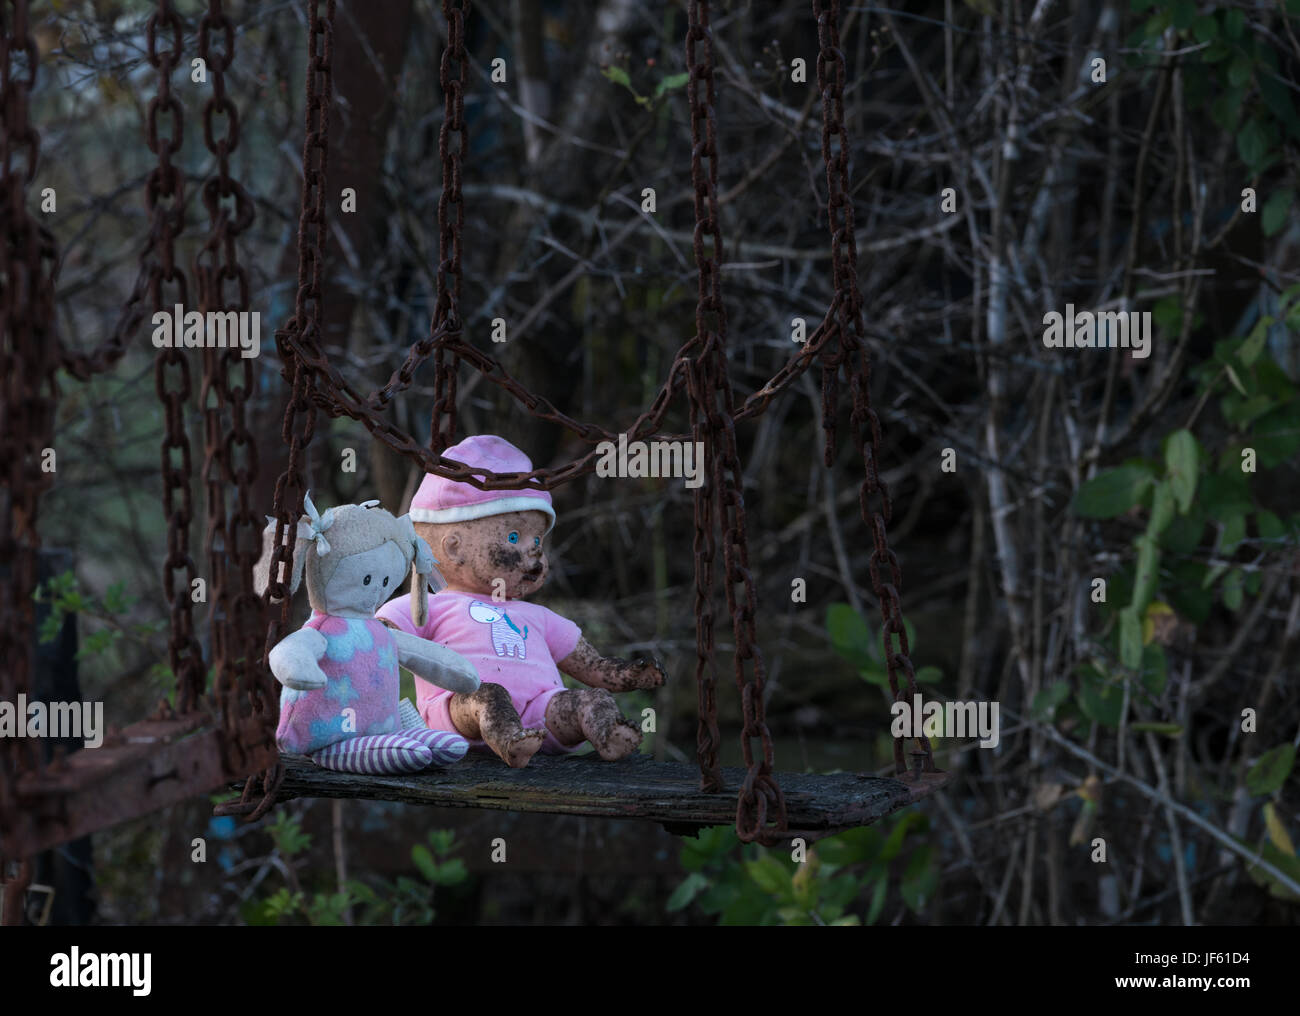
(513, 537)
(537, 541)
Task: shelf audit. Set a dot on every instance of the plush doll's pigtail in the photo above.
(424, 572)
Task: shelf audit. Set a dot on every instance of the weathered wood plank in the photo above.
(148, 766)
(634, 788)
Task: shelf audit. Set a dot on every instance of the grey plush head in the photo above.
(353, 557)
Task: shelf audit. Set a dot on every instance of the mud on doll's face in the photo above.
(504, 547)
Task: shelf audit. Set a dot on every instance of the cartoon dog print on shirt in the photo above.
(507, 639)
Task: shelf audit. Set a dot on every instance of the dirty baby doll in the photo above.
(490, 541)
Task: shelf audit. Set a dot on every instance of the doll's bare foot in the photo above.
(591, 714)
(518, 748)
(617, 741)
(489, 715)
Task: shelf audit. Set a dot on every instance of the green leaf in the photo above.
(452, 872)
(671, 83)
(424, 861)
(1276, 435)
(1184, 533)
(1102, 700)
(1240, 70)
(929, 675)
(1234, 23)
(694, 884)
(1233, 592)
(618, 76)
(770, 875)
(1232, 376)
(1231, 535)
(1183, 13)
(440, 840)
(1268, 774)
(1277, 97)
(852, 638)
(1225, 494)
(878, 898)
(1185, 594)
(920, 879)
(1112, 492)
(1162, 507)
(1205, 28)
(850, 847)
(1270, 526)
(1252, 143)
(1289, 864)
(894, 844)
(1242, 412)
(1148, 563)
(1130, 638)
(1273, 216)
(1155, 669)
(1048, 699)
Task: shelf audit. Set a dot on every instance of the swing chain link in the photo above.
(712, 412)
(28, 266)
(848, 337)
(234, 541)
(299, 340)
(447, 322)
(165, 199)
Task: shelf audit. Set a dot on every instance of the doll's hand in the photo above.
(305, 680)
(294, 660)
(648, 673)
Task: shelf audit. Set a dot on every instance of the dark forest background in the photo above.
(1121, 720)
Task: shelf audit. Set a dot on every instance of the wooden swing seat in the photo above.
(633, 788)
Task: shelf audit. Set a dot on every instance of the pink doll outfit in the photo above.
(360, 663)
(512, 643)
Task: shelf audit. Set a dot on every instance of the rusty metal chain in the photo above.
(165, 197)
(28, 359)
(451, 221)
(299, 341)
(760, 807)
(850, 350)
(243, 683)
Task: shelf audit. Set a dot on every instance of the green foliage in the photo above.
(862, 645)
(111, 632)
(664, 86)
(843, 880)
(1232, 73)
(403, 901)
(287, 834)
(1189, 489)
(1268, 774)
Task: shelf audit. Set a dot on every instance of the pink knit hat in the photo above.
(442, 500)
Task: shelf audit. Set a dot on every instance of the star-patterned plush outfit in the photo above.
(352, 724)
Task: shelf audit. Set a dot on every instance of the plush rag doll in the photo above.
(490, 553)
(340, 672)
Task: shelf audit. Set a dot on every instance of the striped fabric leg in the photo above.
(447, 745)
(376, 755)
(409, 716)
